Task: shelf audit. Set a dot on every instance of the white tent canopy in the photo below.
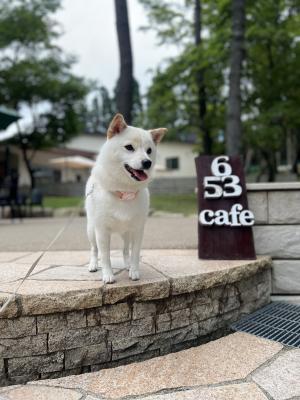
(72, 162)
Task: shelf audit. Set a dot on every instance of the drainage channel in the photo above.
(276, 321)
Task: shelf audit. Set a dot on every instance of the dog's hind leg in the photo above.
(126, 256)
(94, 250)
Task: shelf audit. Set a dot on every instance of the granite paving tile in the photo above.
(61, 281)
(72, 272)
(6, 256)
(66, 273)
(281, 379)
(58, 296)
(239, 391)
(152, 285)
(58, 258)
(188, 273)
(224, 360)
(11, 272)
(93, 398)
(12, 308)
(32, 392)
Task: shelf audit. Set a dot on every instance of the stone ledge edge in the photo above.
(26, 305)
(272, 186)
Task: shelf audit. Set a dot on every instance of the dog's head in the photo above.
(131, 151)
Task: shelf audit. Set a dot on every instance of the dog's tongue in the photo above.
(140, 174)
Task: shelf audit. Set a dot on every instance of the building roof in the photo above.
(64, 151)
(7, 117)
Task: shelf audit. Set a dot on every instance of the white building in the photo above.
(174, 159)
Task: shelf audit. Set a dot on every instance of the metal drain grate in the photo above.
(277, 321)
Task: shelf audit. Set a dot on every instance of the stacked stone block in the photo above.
(65, 343)
(276, 207)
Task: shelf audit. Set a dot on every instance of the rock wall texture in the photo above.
(277, 232)
(52, 345)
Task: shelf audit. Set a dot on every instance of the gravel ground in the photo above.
(36, 233)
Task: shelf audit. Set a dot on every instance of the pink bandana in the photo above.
(126, 195)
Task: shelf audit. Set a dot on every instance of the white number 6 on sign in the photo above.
(219, 166)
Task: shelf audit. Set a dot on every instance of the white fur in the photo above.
(106, 212)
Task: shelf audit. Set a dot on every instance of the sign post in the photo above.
(225, 222)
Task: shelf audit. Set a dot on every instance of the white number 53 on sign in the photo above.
(222, 183)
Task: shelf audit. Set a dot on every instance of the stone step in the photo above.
(64, 320)
(238, 366)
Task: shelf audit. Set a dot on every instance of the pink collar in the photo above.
(126, 195)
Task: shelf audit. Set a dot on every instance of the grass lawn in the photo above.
(61, 202)
(177, 203)
(180, 203)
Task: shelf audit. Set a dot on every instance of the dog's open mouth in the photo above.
(137, 174)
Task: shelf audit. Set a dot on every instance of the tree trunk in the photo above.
(269, 166)
(27, 162)
(297, 156)
(201, 90)
(233, 120)
(125, 82)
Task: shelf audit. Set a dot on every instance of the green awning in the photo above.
(7, 117)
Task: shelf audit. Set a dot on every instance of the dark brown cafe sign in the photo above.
(224, 220)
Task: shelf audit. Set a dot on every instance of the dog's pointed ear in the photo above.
(116, 126)
(158, 134)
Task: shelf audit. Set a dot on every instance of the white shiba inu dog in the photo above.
(117, 197)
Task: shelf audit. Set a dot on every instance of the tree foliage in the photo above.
(36, 76)
(175, 89)
(98, 113)
(272, 76)
(269, 82)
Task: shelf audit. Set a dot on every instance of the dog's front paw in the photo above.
(93, 266)
(134, 274)
(108, 276)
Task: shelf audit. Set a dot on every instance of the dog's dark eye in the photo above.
(129, 147)
(149, 151)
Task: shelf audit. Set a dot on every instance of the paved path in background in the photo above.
(36, 233)
(237, 367)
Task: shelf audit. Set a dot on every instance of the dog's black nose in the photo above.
(146, 164)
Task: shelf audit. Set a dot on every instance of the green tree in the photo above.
(36, 76)
(271, 91)
(266, 84)
(187, 95)
(98, 113)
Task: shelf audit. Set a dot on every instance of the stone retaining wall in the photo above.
(276, 207)
(58, 344)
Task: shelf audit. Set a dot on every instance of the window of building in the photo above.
(172, 163)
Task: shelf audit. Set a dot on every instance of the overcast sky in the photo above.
(90, 33)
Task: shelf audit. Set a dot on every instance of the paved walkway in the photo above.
(36, 233)
(237, 367)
